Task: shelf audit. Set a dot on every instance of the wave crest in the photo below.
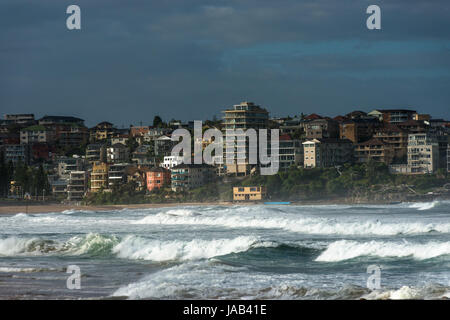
(349, 249)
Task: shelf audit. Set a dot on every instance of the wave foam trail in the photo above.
(421, 206)
(182, 213)
(298, 224)
(346, 249)
(133, 247)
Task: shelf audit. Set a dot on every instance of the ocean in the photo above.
(230, 252)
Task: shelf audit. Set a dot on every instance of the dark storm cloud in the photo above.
(190, 59)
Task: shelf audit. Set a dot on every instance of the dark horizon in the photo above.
(190, 60)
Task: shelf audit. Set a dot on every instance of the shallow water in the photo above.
(237, 252)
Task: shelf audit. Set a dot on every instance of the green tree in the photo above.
(157, 122)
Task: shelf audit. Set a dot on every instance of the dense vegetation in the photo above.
(32, 180)
(346, 180)
(295, 184)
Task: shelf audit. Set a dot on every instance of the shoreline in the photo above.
(31, 208)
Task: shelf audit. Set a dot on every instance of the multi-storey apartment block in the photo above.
(358, 130)
(99, 176)
(323, 153)
(423, 153)
(188, 176)
(394, 137)
(20, 118)
(117, 153)
(76, 187)
(290, 152)
(36, 134)
(163, 146)
(117, 174)
(95, 152)
(16, 153)
(158, 178)
(374, 150)
(245, 115)
(69, 164)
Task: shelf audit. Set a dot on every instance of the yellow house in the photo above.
(249, 193)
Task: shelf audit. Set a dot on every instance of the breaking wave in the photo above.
(421, 206)
(130, 247)
(348, 249)
(303, 225)
(138, 248)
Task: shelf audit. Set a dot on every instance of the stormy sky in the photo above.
(190, 59)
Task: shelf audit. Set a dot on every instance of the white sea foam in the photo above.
(346, 249)
(133, 247)
(20, 216)
(13, 245)
(130, 247)
(298, 224)
(424, 205)
(91, 243)
(24, 270)
(182, 213)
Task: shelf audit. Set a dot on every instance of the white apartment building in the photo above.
(423, 153)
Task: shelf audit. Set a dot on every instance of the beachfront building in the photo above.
(76, 187)
(290, 152)
(423, 153)
(244, 116)
(321, 153)
(99, 176)
(58, 186)
(249, 193)
(158, 178)
(374, 150)
(188, 176)
(117, 174)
